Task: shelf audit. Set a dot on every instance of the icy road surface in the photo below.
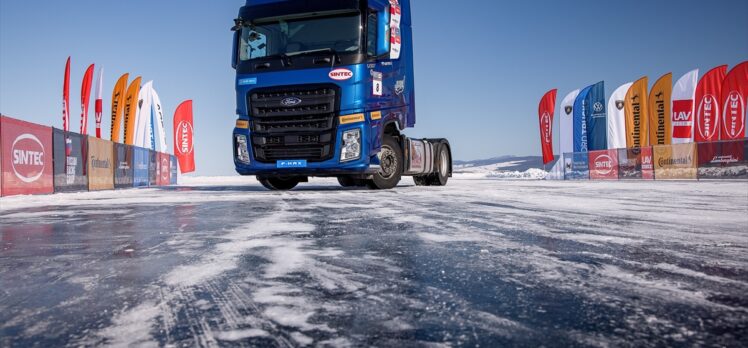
(480, 262)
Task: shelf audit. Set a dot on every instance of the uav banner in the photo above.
(141, 167)
(637, 119)
(635, 164)
(545, 119)
(683, 104)
(100, 164)
(566, 122)
(597, 118)
(734, 95)
(123, 166)
(603, 165)
(659, 111)
(617, 118)
(707, 102)
(675, 162)
(723, 160)
(26, 163)
(581, 109)
(70, 159)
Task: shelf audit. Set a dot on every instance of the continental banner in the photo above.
(153, 168)
(100, 164)
(173, 170)
(603, 165)
(164, 169)
(70, 159)
(26, 158)
(577, 166)
(660, 132)
(723, 160)
(123, 166)
(141, 167)
(675, 162)
(637, 119)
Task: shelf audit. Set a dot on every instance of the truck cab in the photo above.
(326, 88)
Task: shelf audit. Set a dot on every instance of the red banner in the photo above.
(604, 165)
(85, 98)
(647, 157)
(734, 94)
(27, 158)
(163, 169)
(545, 116)
(184, 131)
(66, 98)
(708, 95)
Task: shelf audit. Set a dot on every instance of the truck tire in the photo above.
(349, 181)
(442, 165)
(391, 165)
(279, 184)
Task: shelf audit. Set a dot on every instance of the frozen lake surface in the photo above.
(222, 262)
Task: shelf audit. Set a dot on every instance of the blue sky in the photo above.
(481, 66)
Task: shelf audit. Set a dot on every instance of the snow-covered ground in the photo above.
(221, 261)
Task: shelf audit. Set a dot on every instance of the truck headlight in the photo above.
(351, 145)
(242, 152)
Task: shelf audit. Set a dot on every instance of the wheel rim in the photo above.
(387, 162)
(443, 163)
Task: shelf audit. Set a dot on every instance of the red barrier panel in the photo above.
(26, 158)
(604, 165)
(164, 169)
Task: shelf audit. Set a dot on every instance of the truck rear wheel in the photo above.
(443, 163)
(279, 184)
(391, 165)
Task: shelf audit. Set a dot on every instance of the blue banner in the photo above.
(579, 166)
(597, 118)
(581, 109)
(173, 170)
(140, 165)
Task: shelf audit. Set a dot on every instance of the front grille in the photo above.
(303, 128)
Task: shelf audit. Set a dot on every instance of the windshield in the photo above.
(340, 34)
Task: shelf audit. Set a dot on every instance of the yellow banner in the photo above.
(118, 107)
(131, 107)
(676, 162)
(637, 119)
(660, 132)
(100, 164)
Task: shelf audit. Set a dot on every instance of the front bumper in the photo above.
(367, 164)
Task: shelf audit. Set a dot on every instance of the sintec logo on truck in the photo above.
(318, 96)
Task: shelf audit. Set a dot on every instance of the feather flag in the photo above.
(118, 106)
(159, 131)
(99, 103)
(707, 105)
(734, 95)
(684, 92)
(131, 109)
(66, 98)
(545, 117)
(184, 137)
(86, 98)
(143, 116)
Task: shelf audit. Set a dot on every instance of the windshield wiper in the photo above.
(313, 52)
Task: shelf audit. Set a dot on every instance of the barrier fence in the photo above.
(36, 159)
(692, 161)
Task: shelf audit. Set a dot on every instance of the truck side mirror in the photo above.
(383, 32)
(235, 51)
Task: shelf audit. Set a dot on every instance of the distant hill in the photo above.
(501, 164)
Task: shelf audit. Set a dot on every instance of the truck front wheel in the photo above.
(279, 184)
(391, 165)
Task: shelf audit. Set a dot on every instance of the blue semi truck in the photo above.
(325, 88)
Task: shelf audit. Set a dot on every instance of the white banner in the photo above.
(143, 118)
(617, 118)
(159, 133)
(566, 122)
